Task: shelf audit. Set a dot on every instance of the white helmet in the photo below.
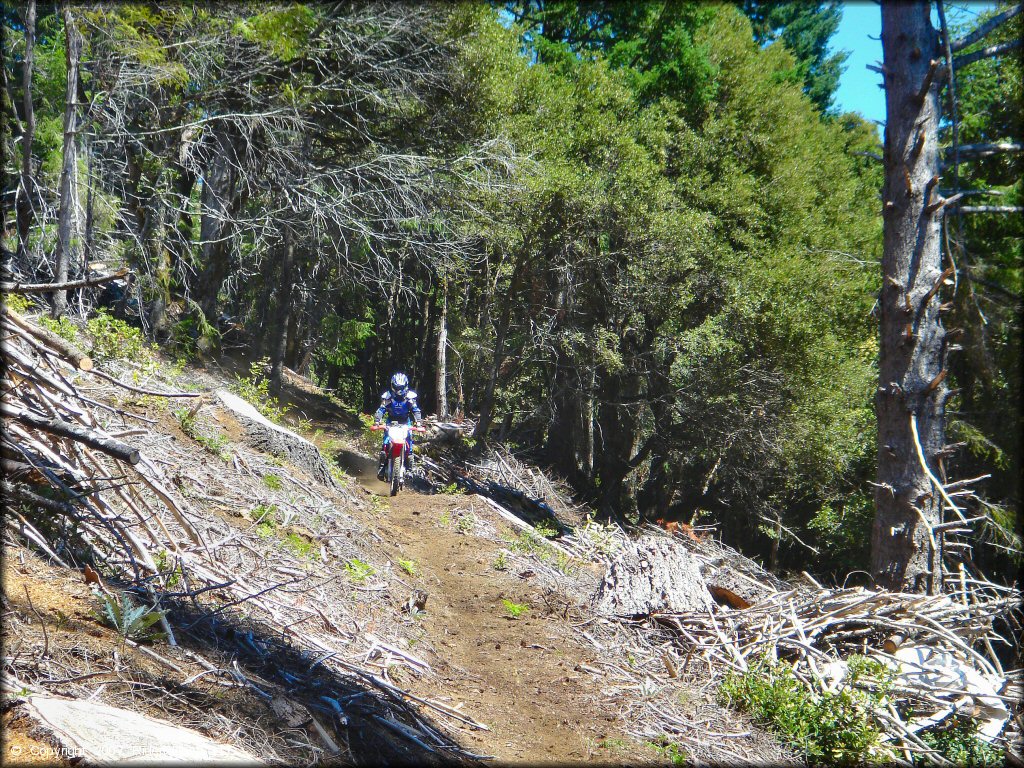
(399, 384)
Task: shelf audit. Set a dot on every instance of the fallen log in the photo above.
(86, 282)
(62, 428)
(78, 358)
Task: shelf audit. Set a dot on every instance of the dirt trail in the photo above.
(521, 676)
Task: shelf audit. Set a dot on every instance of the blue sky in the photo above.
(858, 33)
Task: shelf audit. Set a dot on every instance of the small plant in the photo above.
(255, 389)
(187, 420)
(514, 610)
(830, 728)
(445, 519)
(409, 566)
(62, 326)
(273, 482)
(265, 516)
(501, 561)
(564, 563)
(302, 546)
(20, 303)
(163, 564)
(132, 622)
(358, 571)
(452, 489)
(548, 528)
(465, 523)
(668, 749)
(114, 339)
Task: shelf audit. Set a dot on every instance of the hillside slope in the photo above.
(297, 632)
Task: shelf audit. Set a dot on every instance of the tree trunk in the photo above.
(219, 201)
(442, 354)
(912, 357)
(27, 191)
(487, 402)
(284, 307)
(67, 244)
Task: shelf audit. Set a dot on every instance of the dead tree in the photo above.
(27, 187)
(910, 399)
(66, 237)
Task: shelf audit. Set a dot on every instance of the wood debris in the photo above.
(91, 482)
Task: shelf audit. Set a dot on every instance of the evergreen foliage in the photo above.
(652, 246)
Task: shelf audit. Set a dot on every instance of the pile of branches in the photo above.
(526, 489)
(939, 650)
(83, 493)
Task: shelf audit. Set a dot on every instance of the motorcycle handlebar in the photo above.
(381, 428)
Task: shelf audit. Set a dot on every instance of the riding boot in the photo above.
(410, 461)
(382, 466)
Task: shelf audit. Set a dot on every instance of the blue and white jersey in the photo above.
(400, 409)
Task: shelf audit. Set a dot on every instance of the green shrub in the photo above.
(255, 389)
(19, 302)
(273, 482)
(114, 339)
(187, 420)
(827, 728)
(514, 610)
(62, 326)
(958, 741)
(358, 571)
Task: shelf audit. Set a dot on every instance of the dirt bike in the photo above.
(397, 448)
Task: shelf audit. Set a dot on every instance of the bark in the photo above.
(284, 308)
(27, 191)
(483, 424)
(912, 357)
(67, 245)
(271, 438)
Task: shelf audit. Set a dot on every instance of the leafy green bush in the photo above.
(833, 728)
(514, 610)
(62, 326)
(114, 339)
(20, 303)
(959, 742)
(358, 571)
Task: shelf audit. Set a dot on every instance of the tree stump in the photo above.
(653, 574)
(264, 435)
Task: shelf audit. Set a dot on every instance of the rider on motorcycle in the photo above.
(397, 404)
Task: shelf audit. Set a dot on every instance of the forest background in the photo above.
(638, 243)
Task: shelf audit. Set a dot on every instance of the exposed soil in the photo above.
(521, 675)
(525, 677)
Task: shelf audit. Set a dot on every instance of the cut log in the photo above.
(653, 575)
(264, 435)
(103, 735)
(64, 348)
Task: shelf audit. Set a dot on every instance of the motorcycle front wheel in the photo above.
(396, 476)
